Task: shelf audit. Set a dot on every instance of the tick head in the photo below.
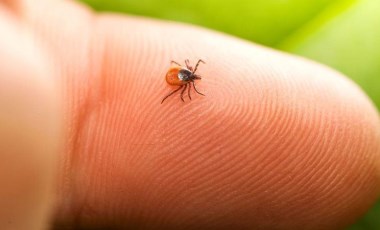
(197, 77)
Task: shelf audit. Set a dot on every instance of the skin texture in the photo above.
(279, 142)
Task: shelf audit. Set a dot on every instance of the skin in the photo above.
(279, 142)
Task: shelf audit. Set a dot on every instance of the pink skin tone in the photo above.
(278, 142)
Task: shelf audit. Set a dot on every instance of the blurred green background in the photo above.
(344, 34)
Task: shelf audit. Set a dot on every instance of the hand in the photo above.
(278, 142)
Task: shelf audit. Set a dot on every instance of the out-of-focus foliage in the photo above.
(267, 22)
(344, 34)
(347, 39)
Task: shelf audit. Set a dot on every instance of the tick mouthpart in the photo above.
(197, 77)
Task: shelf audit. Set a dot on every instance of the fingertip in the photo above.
(290, 132)
(277, 143)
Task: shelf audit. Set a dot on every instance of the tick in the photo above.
(184, 77)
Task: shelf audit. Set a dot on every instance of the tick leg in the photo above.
(196, 66)
(188, 92)
(187, 62)
(183, 92)
(171, 94)
(175, 63)
(197, 90)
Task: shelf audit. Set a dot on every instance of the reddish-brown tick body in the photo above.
(182, 77)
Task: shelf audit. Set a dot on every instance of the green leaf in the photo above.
(266, 22)
(346, 38)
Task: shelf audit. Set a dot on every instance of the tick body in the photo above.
(183, 77)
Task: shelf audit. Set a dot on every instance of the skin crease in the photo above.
(278, 142)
